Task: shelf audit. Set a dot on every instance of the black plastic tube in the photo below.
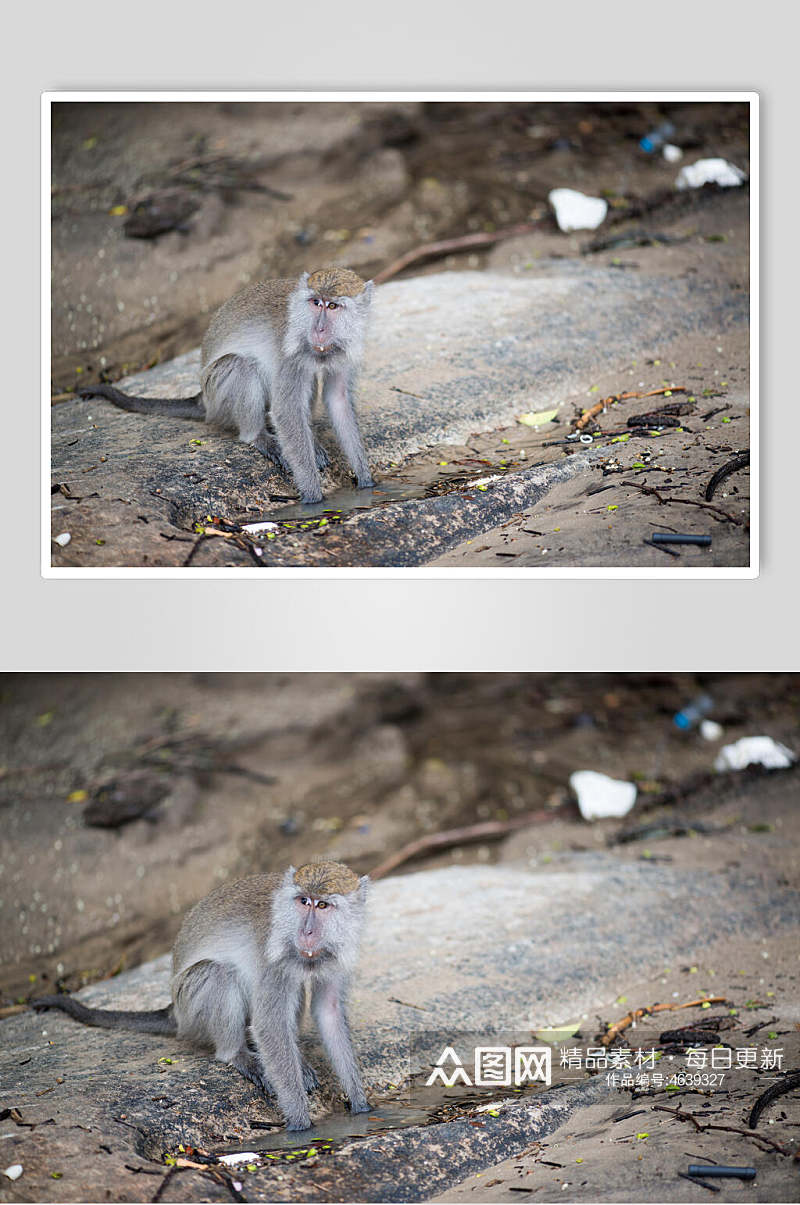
(718, 1169)
(673, 537)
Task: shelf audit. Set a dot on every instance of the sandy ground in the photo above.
(627, 1149)
(604, 521)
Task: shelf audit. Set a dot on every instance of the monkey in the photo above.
(262, 356)
(242, 963)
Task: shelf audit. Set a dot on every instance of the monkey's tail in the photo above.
(183, 407)
(158, 1020)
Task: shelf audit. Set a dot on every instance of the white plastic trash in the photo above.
(710, 730)
(754, 751)
(575, 211)
(709, 171)
(600, 797)
(14, 1172)
(672, 154)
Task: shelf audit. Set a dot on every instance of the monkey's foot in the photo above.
(248, 1065)
(365, 483)
(298, 1123)
(310, 1080)
(270, 449)
(361, 1105)
(322, 458)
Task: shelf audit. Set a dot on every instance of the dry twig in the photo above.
(717, 510)
(464, 242)
(579, 423)
(710, 1125)
(739, 462)
(488, 830)
(787, 1084)
(619, 1026)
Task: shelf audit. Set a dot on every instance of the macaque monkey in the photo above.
(240, 967)
(262, 356)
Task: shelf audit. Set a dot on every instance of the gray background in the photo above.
(405, 622)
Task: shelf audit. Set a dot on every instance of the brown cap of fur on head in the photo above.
(336, 282)
(326, 878)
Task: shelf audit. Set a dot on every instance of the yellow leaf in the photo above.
(77, 796)
(537, 418)
(117, 211)
(557, 1033)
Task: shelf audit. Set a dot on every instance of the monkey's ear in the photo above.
(369, 288)
(303, 281)
(364, 885)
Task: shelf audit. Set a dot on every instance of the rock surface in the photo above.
(448, 355)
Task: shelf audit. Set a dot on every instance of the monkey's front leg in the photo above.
(290, 410)
(328, 1009)
(336, 394)
(274, 1031)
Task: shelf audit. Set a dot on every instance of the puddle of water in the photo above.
(428, 1106)
(345, 500)
(334, 1129)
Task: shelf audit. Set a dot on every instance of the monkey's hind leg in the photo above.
(270, 449)
(323, 460)
(211, 1009)
(235, 389)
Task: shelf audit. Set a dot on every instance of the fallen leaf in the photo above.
(537, 418)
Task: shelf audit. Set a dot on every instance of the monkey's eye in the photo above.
(304, 900)
(333, 305)
(316, 301)
(323, 904)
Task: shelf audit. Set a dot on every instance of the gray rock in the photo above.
(448, 355)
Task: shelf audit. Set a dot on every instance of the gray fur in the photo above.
(239, 984)
(260, 368)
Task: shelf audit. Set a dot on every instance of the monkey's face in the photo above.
(317, 917)
(316, 927)
(326, 325)
(327, 315)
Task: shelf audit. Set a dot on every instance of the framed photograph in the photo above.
(400, 334)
